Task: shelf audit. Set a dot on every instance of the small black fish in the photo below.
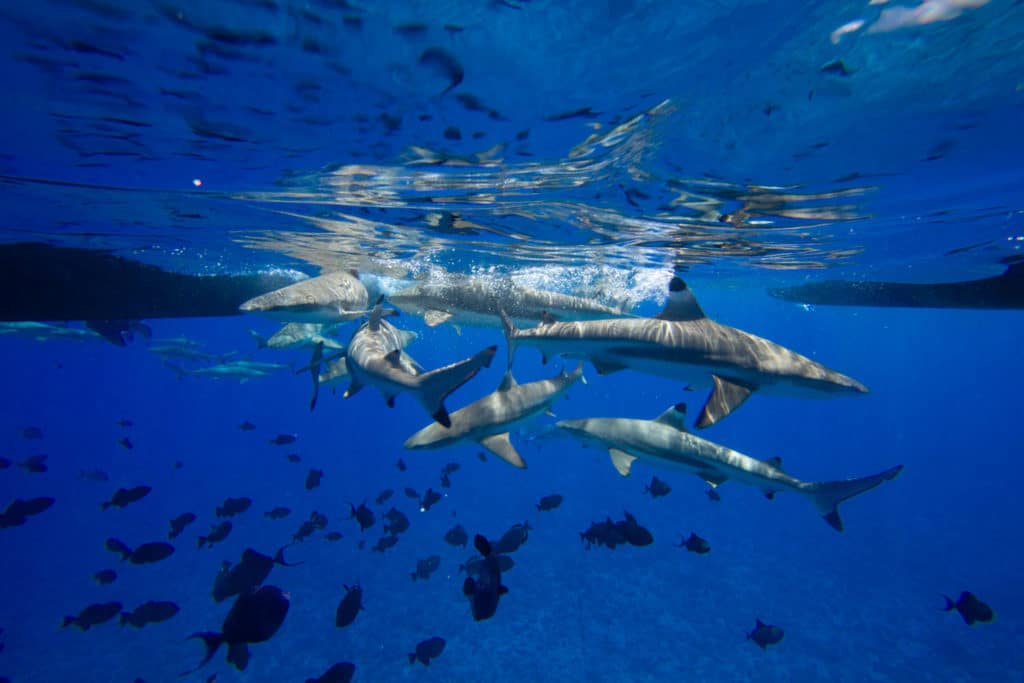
(363, 515)
(32, 433)
(485, 590)
(765, 634)
(583, 112)
(482, 456)
(5, 463)
(125, 423)
(18, 512)
(383, 543)
(474, 565)
(452, 133)
(713, 495)
(397, 522)
(277, 513)
(334, 536)
(178, 464)
(411, 493)
(93, 475)
(513, 539)
(523, 134)
(457, 536)
(93, 615)
(284, 439)
(453, 28)
(307, 529)
(247, 426)
(429, 499)
(427, 650)
(123, 497)
(401, 465)
(444, 64)
(126, 443)
(657, 488)
(971, 609)
(634, 533)
(549, 502)
(426, 567)
(349, 607)
(342, 672)
(695, 544)
(413, 29)
(233, 506)
(152, 612)
(446, 483)
(313, 479)
(218, 532)
(179, 523)
(294, 457)
(254, 618)
(384, 496)
(147, 553)
(35, 464)
(318, 520)
(250, 572)
(105, 577)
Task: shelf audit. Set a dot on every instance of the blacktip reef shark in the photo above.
(477, 302)
(329, 298)
(489, 420)
(298, 335)
(665, 441)
(682, 343)
(374, 357)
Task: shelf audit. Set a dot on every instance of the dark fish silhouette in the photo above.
(233, 506)
(349, 607)
(714, 495)
(125, 423)
(93, 475)
(31, 433)
(657, 488)
(342, 672)
(695, 544)
(294, 457)
(18, 512)
(427, 650)
(363, 515)
(451, 468)
(384, 496)
(581, 113)
(34, 464)
(247, 426)
(126, 443)
(152, 612)
(334, 536)
(411, 493)
(481, 456)
(313, 479)
(307, 529)
(5, 463)
(93, 615)
(277, 513)
(123, 497)
(635, 534)
(426, 567)
(218, 532)
(446, 483)
(444, 64)
(248, 574)
(512, 539)
(971, 609)
(611, 534)
(397, 522)
(484, 590)
(549, 502)
(383, 543)
(147, 553)
(254, 618)
(452, 133)
(105, 577)
(457, 536)
(765, 634)
(284, 439)
(179, 523)
(429, 499)
(401, 465)
(474, 565)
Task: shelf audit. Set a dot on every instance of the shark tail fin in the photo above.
(827, 495)
(261, 341)
(433, 387)
(510, 335)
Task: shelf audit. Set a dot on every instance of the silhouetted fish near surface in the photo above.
(971, 609)
(313, 479)
(444, 64)
(512, 539)
(105, 577)
(451, 468)
(218, 532)
(427, 650)
(284, 439)
(485, 590)
(34, 464)
(342, 672)
(179, 523)
(657, 488)
(254, 618)
(152, 612)
(695, 544)
(363, 515)
(426, 567)
(123, 497)
(234, 506)
(765, 634)
(457, 536)
(349, 607)
(249, 573)
(383, 543)
(446, 483)
(18, 512)
(398, 522)
(713, 495)
(412, 493)
(549, 502)
(147, 553)
(93, 615)
(126, 443)
(401, 465)
(384, 496)
(247, 426)
(277, 513)
(429, 499)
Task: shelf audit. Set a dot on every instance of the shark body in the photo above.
(330, 298)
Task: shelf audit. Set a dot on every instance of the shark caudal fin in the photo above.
(433, 387)
(827, 495)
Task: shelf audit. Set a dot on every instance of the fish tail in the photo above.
(433, 387)
(827, 495)
(201, 541)
(950, 605)
(279, 557)
(105, 505)
(125, 616)
(211, 641)
(412, 657)
(67, 622)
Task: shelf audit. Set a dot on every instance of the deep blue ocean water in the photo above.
(246, 136)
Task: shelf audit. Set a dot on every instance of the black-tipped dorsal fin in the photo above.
(682, 304)
(775, 462)
(508, 381)
(674, 417)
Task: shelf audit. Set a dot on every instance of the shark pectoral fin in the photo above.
(606, 367)
(501, 446)
(622, 461)
(353, 388)
(550, 413)
(433, 318)
(726, 397)
(405, 337)
(674, 417)
(714, 480)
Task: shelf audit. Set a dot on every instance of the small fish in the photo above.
(426, 567)
(93, 615)
(254, 618)
(363, 515)
(764, 635)
(427, 650)
(32, 433)
(342, 672)
(482, 456)
(657, 488)
(513, 539)
(456, 536)
(384, 496)
(971, 609)
(397, 522)
(178, 464)
(125, 423)
(444, 64)
(313, 479)
(429, 499)
(412, 493)
(695, 544)
(474, 565)
(836, 68)
(334, 536)
(233, 506)
(446, 483)
(179, 523)
(384, 542)
(126, 443)
(123, 497)
(294, 457)
(284, 439)
(105, 577)
(5, 463)
(250, 572)
(713, 495)
(305, 531)
(35, 464)
(218, 532)
(485, 589)
(401, 465)
(452, 133)
(18, 512)
(147, 553)
(93, 475)
(247, 426)
(451, 468)
(551, 502)
(277, 513)
(349, 607)
(152, 612)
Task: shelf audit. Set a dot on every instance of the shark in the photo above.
(297, 335)
(683, 343)
(666, 441)
(242, 370)
(477, 302)
(330, 298)
(489, 420)
(374, 357)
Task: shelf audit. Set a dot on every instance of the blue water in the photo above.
(929, 120)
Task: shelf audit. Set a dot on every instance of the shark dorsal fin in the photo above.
(508, 381)
(682, 304)
(375, 315)
(622, 461)
(775, 462)
(674, 417)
